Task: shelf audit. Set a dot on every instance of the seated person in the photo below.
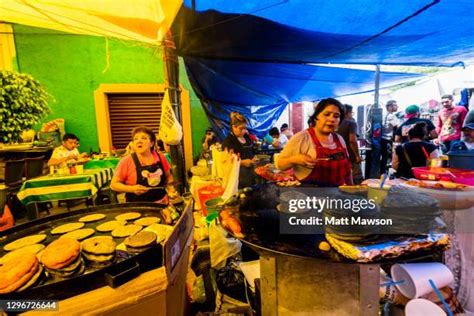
(415, 153)
(467, 142)
(278, 140)
(67, 152)
(284, 129)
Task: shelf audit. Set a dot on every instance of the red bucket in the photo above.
(207, 193)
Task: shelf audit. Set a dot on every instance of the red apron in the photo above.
(332, 172)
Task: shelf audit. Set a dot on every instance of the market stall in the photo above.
(134, 278)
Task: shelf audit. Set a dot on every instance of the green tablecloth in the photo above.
(54, 187)
(103, 163)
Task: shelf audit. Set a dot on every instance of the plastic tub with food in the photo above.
(451, 196)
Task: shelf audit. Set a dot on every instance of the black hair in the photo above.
(70, 136)
(448, 96)
(420, 130)
(160, 145)
(274, 131)
(324, 104)
(283, 127)
(390, 103)
(348, 108)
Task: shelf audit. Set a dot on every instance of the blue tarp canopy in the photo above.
(261, 91)
(250, 55)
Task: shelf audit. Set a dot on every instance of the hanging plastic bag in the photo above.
(221, 246)
(170, 131)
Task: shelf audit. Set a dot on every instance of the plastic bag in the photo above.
(221, 246)
(231, 280)
(170, 131)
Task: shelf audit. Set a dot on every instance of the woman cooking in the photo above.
(318, 155)
(240, 143)
(143, 174)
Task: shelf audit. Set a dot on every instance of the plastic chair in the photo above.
(34, 167)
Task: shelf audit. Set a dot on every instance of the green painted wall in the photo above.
(71, 67)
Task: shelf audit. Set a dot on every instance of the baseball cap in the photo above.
(468, 126)
(412, 109)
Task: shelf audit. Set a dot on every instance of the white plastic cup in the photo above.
(423, 307)
(416, 276)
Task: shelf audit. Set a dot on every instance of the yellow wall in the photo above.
(7, 47)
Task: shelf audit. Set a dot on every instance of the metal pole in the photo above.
(171, 65)
(377, 85)
(376, 118)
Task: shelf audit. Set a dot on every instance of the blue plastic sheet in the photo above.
(261, 91)
(250, 56)
(416, 32)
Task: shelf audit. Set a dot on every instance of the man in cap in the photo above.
(450, 120)
(467, 142)
(412, 114)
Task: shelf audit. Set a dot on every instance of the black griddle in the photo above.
(125, 267)
(260, 223)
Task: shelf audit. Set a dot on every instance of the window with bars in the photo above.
(127, 111)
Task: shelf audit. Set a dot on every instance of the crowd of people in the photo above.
(328, 153)
(412, 141)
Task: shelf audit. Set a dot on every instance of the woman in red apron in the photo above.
(144, 173)
(318, 155)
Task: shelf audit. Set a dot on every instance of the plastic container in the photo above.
(463, 176)
(211, 217)
(461, 159)
(207, 193)
(413, 278)
(448, 199)
(213, 205)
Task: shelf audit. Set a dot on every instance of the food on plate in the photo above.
(147, 221)
(128, 216)
(79, 234)
(437, 185)
(34, 249)
(99, 251)
(62, 258)
(25, 241)
(110, 226)
(17, 271)
(66, 228)
(126, 230)
(140, 242)
(269, 172)
(92, 218)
